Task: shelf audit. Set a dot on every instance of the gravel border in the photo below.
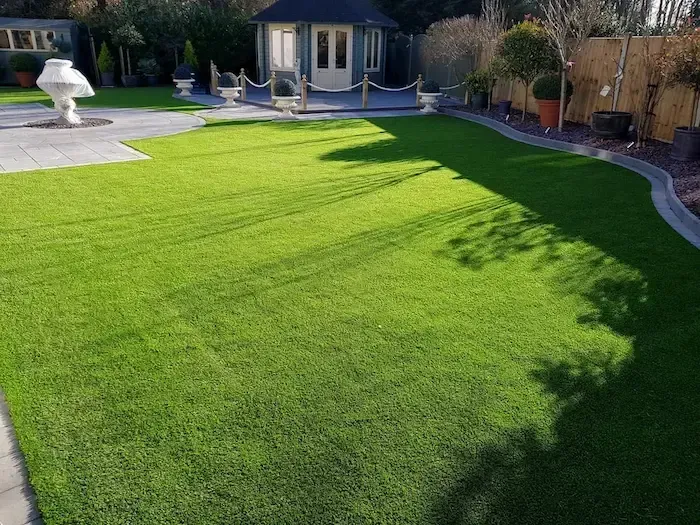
(685, 175)
(663, 194)
(57, 124)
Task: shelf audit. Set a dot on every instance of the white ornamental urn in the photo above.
(63, 83)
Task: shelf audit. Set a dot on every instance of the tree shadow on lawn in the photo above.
(626, 445)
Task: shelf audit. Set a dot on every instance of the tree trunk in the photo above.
(510, 89)
(128, 60)
(121, 60)
(527, 88)
(562, 98)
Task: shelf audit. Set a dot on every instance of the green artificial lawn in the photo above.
(144, 98)
(398, 320)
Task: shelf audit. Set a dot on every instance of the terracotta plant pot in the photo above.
(549, 113)
(26, 79)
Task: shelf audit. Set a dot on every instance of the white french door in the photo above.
(331, 56)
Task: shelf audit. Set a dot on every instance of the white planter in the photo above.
(230, 94)
(430, 101)
(184, 85)
(286, 104)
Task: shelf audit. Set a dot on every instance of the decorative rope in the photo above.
(257, 85)
(452, 87)
(393, 89)
(350, 88)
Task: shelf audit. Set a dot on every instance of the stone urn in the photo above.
(230, 94)
(63, 83)
(184, 85)
(429, 101)
(286, 104)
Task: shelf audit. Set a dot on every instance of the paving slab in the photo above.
(23, 148)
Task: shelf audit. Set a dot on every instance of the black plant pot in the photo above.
(479, 100)
(130, 80)
(504, 107)
(686, 144)
(151, 80)
(611, 124)
(107, 79)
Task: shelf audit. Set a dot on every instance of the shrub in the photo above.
(548, 87)
(285, 88)
(183, 72)
(149, 66)
(478, 81)
(526, 51)
(190, 57)
(430, 86)
(105, 62)
(23, 63)
(228, 80)
(684, 60)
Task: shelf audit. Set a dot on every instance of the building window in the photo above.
(25, 40)
(282, 47)
(372, 49)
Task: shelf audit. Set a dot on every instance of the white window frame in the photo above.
(282, 28)
(32, 32)
(369, 32)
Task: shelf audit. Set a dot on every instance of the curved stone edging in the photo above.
(663, 195)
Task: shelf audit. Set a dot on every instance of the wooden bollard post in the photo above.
(243, 84)
(365, 92)
(304, 93)
(419, 88)
(213, 70)
(273, 80)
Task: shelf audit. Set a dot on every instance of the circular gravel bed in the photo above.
(55, 124)
(686, 175)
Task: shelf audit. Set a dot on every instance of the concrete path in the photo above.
(17, 502)
(23, 148)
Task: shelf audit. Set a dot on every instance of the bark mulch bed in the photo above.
(686, 175)
(56, 124)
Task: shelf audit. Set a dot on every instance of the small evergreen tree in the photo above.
(105, 62)
(190, 57)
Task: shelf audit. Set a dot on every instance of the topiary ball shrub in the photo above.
(430, 86)
(548, 87)
(228, 80)
(183, 72)
(23, 63)
(285, 88)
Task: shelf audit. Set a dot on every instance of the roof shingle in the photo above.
(359, 12)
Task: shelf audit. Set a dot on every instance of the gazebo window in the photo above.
(282, 47)
(372, 49)
(25, 40)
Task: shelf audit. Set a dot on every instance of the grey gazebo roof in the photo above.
(36, 23)
(356, 12)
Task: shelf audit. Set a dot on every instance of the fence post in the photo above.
(273, 80)
(365, 91)
(214, 78)
(243, 84)
(620, 70)
(304, 93)
(419, 88)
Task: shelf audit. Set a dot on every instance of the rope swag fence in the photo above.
(244, 80)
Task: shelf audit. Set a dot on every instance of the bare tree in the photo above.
(452, 40)
(568, 23)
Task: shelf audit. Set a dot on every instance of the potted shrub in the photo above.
(105, 63)
(685, 63)
(429, 94)
(183, 79)
(527, 54)
(24, 65)
(229, 89)
(547, 91)
(498, 69)
(149, 68)
(285, 97)
(127, 36)
(478, 84)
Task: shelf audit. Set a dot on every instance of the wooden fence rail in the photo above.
(596, 66)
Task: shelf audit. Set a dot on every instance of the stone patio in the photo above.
(23, 148)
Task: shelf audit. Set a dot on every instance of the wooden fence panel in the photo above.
(595, 66)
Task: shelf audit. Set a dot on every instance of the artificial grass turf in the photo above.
(142, 98)
(403, 320)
